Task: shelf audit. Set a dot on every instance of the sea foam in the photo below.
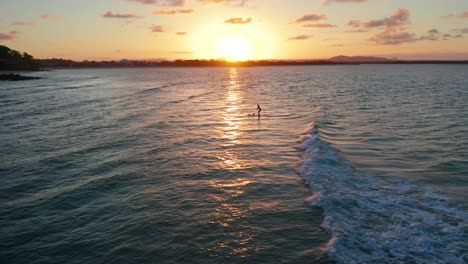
(372, 220)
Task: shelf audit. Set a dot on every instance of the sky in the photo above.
(235, 29)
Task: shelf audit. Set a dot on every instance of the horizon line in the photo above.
(156, 60)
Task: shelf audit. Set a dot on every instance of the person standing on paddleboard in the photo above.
(259, 109)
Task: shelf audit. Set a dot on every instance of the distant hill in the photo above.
(356, 59)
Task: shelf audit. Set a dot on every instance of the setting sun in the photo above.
(234, 48)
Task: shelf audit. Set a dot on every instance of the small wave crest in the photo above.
(372, 220)
(151, 90)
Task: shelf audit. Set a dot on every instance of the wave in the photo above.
(150, 90)
(199, 95)
(76, 87)
(372, 220)
(160, 88)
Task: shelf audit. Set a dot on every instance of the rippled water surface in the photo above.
(348, 164)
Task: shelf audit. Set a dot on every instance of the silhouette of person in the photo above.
(259, 109)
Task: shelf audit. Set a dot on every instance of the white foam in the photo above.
(375, 221)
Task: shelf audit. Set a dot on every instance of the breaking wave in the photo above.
(372, 220)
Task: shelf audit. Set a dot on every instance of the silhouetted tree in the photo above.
(14, 60)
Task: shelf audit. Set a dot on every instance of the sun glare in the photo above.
(234, 48)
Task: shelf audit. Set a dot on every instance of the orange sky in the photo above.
(235, 29)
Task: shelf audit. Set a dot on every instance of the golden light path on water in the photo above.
(234, 126)
(232, 211)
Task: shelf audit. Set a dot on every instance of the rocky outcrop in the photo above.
(16, 77)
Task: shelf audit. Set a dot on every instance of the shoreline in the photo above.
(16, 77)
(242, 65)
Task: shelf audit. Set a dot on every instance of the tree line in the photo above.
(15, 60)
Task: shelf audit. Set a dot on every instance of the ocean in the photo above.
(347, 164)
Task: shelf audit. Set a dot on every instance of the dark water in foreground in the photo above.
(357, 164)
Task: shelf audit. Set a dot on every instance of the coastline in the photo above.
(247, 64)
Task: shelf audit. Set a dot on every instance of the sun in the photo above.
(234, 47)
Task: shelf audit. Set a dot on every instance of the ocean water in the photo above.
(347, 164)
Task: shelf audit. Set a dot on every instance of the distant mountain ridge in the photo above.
(356, 59)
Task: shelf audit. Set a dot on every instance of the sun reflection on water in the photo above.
(231, 132)
(232, 213)
(231, 216)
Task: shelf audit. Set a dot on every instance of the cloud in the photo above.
(300, 37)
(224, 2)
(392, 37)
(401, 17)
(311, 18)
(431, 36)
(327, 2)
(22, 23)
(111, 14)
(145, 2)
(461, 15)
(182, 52)
(128, 23)
(356, 31)
(394, 32)
(49, 16)
(319, 26)
(157, 29)
(336, 45)
(448, 16)
(160, 2)
(436, 35)
(238, 20)
(173, 12)
(449, 36)
(8, 36)
(354, 23)
(181, 33)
